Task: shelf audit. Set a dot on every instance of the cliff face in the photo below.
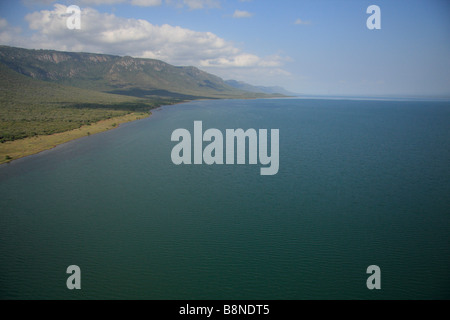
(123, 75)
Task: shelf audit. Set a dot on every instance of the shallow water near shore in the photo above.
(360, 183)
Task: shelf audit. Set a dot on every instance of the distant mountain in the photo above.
(145, 78)
(259, 89)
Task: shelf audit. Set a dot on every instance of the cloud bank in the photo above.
(242, 14)
(301, 22)
(109, 34)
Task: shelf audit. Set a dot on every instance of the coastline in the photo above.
(17, 149)
(13, 150)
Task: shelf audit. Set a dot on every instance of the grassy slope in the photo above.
(124, 75)
(30, 107)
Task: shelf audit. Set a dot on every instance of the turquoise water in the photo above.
(360, 183)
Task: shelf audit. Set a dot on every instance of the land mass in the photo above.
(50, 97)
(260, 89)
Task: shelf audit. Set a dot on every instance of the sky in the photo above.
(310, 47)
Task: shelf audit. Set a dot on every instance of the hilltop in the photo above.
(31, 107)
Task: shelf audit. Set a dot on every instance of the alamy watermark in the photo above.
(73, 22)
(374, 281)
(74, 281)
(374, 21)
(235, 140)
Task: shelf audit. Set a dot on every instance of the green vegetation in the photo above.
(20, 148)
(143, 78)
(30, 107)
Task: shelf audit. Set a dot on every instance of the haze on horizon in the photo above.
(310, 47)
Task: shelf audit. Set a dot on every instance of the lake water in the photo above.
(360, 183)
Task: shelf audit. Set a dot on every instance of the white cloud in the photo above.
(242, 14)
(146, 3)
(107, 33)
(8, 33)
(195, 4)
(241, 60)
(3, 23)
(300, 21)
(110, 34)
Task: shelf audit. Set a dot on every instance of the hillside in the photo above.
(146, 78)
(30, 107)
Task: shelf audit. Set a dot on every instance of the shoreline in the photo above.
(17, 149)
(22, 148)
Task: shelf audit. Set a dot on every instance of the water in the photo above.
(360, 183)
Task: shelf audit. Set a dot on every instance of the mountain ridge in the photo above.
(125, 75)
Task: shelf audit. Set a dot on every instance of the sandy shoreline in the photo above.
(13, 150)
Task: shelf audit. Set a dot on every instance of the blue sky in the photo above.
(329, 51)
